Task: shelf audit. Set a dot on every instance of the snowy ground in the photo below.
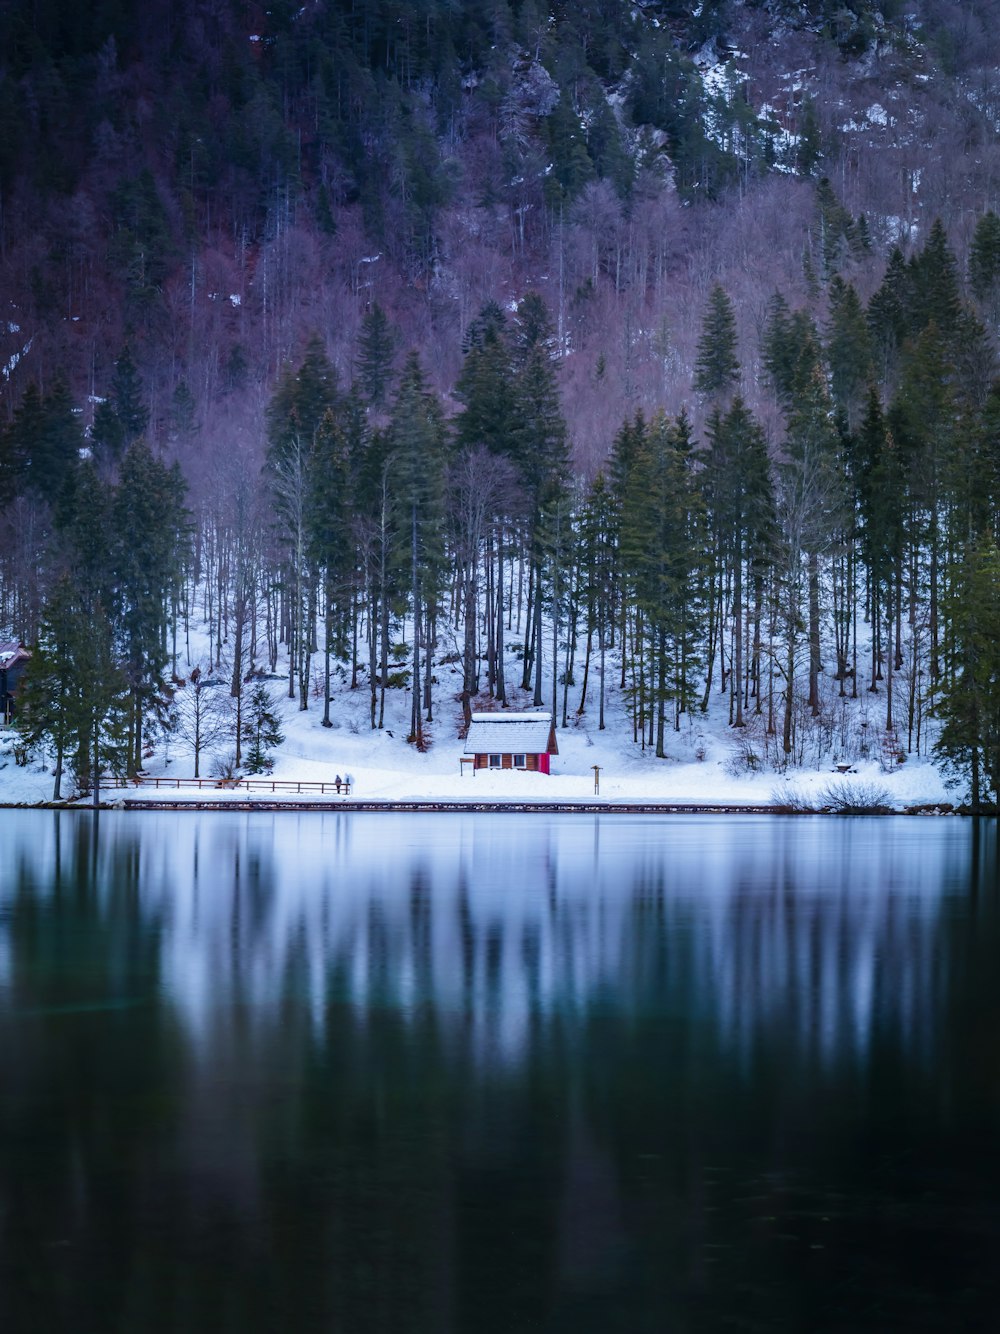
(699, 769)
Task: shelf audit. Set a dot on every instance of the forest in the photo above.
(599, 347)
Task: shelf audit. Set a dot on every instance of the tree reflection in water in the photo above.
(495, 1073)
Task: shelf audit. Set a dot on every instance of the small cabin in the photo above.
(13, 660)
(512, 741)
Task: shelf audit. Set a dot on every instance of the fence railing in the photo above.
(339, 788)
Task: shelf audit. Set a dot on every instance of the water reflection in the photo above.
(497, 923)
(494, 1073)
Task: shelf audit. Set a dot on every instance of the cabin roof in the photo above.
(510, 733)
(11, 654)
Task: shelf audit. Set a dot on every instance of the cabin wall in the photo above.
(532, 763)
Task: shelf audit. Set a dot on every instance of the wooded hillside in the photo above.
(662, 332)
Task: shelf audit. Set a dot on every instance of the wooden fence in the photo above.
(341, 788)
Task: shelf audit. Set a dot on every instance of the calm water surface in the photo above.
(497, 1074)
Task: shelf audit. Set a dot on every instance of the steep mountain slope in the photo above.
(212, 182)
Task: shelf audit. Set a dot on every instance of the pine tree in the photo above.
(662, 564)
(717, 367)
(540, 451)
(42, 442)
(261, 729)
(25, 430)
(84, 529)
(812, 498)
(183, 420)
(984, 266)
(417, 439)
(147, 516)
(969, 705)
(123, 416)
(740, 502)
(328, 521)
(791, 352)
(294, 418)
(608, 153)
(835, 228)
(377, 344)
(128, 397)
(848, 350)
(882, 500)
(572, 167)
(49, 694)
(809, 148)
(73, 694)
(936, 297)
(486, 386)
(889, 313)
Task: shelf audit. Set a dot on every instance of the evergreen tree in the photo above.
(984, 266)
(294, 418)
(809, 148)
(848, 350)
(717, 368)
(73, 694)
(608, 153)
(147, 517)
(540, 452)
(889, 316)
(739, 497)
(572, 167)
(42, 443)
(261, 729)
(49, 695)
(328, 521)
(813, 493)
(183, 420)
(969, 705)
(376, 351)
(63, 442)
(123, 416)
(935, 294)
(882, 503)
(22, 435)
(663, 567)
(128, 397)
(791, 352)
(84, 530)
(486, 386)
(417, 438)
(835, 228)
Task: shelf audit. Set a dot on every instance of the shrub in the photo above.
(846, 798)
(225, 766)
(791, 801)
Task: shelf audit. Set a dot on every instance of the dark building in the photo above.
(13, 660)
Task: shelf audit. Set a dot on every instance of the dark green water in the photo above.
(498, 1074)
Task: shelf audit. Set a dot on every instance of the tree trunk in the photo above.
(737, 689)
(814, 641)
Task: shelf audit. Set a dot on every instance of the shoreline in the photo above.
(452, 807)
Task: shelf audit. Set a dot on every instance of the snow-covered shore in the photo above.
(699, 771)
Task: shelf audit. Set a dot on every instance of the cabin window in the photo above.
(494, 761)
(519, 761)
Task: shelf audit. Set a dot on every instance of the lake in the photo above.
(349, 1072)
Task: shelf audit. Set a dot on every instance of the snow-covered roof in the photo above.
(510, 733)
(12, 653)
